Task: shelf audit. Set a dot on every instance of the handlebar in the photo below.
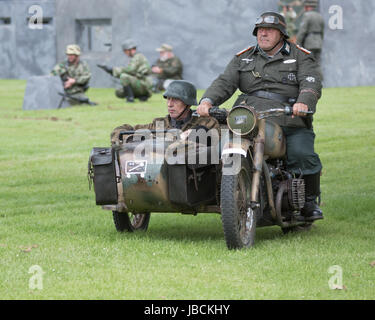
(287, 110)
(219, 114)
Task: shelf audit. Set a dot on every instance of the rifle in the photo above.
(105, 68)
(80, 100)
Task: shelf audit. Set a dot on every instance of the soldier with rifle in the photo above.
(135, 78)
(75, 75)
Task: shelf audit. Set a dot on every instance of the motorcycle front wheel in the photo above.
(239, 220)
(131, 222)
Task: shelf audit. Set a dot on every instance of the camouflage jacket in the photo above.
(167, 123)
(311, 32)
(292, 72)
(138, 67)
(80, 72)
(172, 68)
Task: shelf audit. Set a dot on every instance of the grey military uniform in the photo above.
(291, 74)
(311, 33)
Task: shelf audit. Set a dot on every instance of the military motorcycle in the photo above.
(240, 174)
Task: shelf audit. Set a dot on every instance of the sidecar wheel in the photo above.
(131, 222)
(239, 220)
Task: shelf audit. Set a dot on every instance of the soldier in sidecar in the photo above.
(180, 96)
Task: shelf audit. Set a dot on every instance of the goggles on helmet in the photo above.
(269, 20)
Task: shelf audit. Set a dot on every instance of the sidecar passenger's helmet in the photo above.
(271, 20)
(183, 90)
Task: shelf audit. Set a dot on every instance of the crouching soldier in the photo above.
(135, 78)
(75, 75)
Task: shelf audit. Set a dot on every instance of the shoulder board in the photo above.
(303, 49)
(245, 50)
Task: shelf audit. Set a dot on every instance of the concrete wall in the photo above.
(25, 51)
(205, 34)
(348, 56)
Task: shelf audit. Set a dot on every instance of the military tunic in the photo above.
(137, 74)
(172, 68)
(292, 73)
(80, 72)
(311, 33)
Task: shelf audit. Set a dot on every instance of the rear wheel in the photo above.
(131, 222)
(238, 218)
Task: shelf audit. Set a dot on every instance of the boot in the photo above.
(143, 98)
(129, 94)
(311, 210)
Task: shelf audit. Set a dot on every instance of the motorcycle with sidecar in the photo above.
(239, 173)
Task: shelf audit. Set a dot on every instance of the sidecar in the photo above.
(237, 173)
(155, 172)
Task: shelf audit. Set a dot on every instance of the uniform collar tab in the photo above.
(286, 48)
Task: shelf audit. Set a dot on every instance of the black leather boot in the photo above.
(129, 94)
(311, 210)
(143, 98)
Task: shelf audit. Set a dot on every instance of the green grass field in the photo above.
(48, 216)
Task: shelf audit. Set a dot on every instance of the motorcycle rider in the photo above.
(273, 73)
(180, 96)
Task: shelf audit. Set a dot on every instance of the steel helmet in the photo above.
(183, 90)
(310, 3)
(271, 20)
(129, 44)
(73, 49)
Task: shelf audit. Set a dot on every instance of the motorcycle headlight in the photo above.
(241, 120)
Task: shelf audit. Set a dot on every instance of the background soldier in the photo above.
(136, 77)
(167, 68)
(290, 18)
(273, 73)
(75, 75)
(180, 95)
(311, 32)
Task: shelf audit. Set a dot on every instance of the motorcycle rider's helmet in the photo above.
(183, 90)
(271, 20)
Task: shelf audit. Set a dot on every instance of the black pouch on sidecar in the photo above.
(102, 172)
